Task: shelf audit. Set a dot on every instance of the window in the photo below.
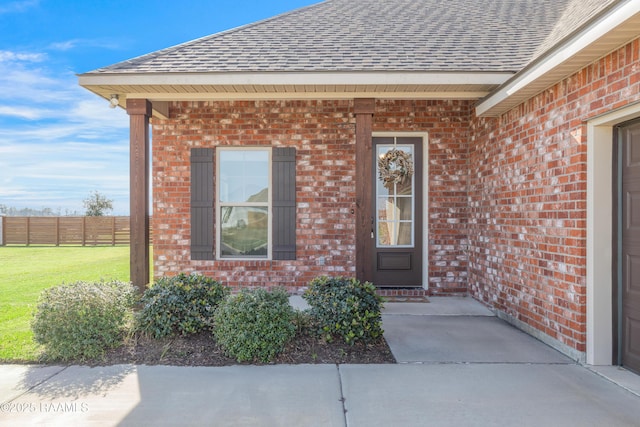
(254, 213)
(243, 205)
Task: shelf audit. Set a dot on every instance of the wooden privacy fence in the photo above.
(66, 230)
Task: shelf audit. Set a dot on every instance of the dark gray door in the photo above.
(630, 246)
(396, 220)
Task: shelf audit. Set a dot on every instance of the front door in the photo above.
(629, 258)
(396, 218)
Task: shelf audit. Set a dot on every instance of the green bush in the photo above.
(181, 304)
(81, 320)
(255, 325)
(345, 307)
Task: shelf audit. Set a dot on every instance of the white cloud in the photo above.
(9, 56)
(24, 112)
(18, 6)
(95, 110)
(58, 141)
(67, 45)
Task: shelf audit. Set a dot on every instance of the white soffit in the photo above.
(618, 27)
(293, 85)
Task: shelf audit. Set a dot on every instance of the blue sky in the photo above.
(58, 141)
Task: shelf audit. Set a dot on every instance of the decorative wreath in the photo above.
(395, 166)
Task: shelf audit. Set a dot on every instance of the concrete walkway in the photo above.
(458, 366)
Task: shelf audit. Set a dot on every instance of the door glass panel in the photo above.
(393, 233)
(386, 209)
(405, 234)
(385, 233)
(402, 189)
(404, 207)
(395, 201)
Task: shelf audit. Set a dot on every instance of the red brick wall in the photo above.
(527, 198)
(323, 133)
(325, 189)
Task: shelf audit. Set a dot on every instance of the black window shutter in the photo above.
(202, 218)
(284, 203)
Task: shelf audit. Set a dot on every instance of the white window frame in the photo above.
(219, 205)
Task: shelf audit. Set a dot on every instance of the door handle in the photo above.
(372, 228)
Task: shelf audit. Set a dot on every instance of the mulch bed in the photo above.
(202, 350)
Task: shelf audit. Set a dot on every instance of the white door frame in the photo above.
(425, 195)
(600, 233)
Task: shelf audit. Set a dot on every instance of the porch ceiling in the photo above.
(248, 86)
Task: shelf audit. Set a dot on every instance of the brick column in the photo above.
(139, 111)
(363, 109)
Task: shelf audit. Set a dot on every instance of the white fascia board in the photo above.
(579, 42)
(295, 78)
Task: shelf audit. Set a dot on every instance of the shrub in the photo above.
(81, 320)
(255, 325)
(345, 307)
(181, 304)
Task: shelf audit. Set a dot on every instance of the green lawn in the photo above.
(26, 271)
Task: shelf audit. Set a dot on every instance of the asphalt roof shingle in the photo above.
(380, 35)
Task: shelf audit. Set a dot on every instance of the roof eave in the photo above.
(162, 87)
(613, 28)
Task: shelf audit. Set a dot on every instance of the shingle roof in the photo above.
(573, 15)
(380, 35)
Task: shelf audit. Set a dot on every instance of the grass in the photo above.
(26, 271)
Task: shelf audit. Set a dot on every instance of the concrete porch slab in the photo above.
(619, 375)
(459, 330)
(439, 306)
(298, 303)
(463, 339)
